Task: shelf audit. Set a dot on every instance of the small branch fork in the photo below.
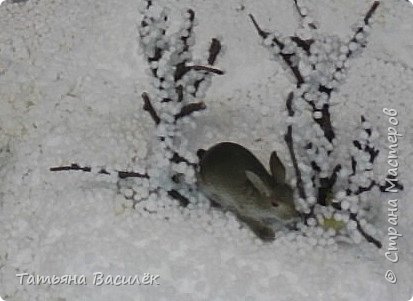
(120, 174)
(185, 111)
(302, 15)
(286, 57)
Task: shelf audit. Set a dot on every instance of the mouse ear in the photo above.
(277, 169)
(200, 153)
(258, 183)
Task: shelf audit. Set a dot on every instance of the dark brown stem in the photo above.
(77, 167)
(149, 108)
(290, 144)
(285, 57)
(214, 50)
(131, 174)
(325, 122)
(371, 12)
(353, 217)
(368, 237)
(206, 68)
(183, 201)
(176, 158)
(366, 20)
(289, 140)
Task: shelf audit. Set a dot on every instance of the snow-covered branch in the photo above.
(179, 81)
(319, 64)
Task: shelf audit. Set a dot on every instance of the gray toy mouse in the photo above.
(232, 177)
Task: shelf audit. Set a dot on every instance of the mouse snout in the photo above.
(274, 203)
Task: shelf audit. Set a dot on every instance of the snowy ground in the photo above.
(70, 80)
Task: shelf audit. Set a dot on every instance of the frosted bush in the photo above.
(327, 191)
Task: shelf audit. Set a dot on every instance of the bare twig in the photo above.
(286, 57)
(149, 108)
(290, 144)
(177, 158)
(303, 44)
(371, 12)
(181, 68)
(74, 167)
(214, 50)
(302, 15)
(207, 69)
(183, 201)
(360, 29)
(368, 237)
(326, 185)
(190, 108)
(77, 167)
(131, 174)
(263, 34)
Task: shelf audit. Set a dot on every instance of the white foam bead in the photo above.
(331, 232)
(327, 213)
(190, 89)
(351, 225)
(317, 115)
(353, 46)
(340, 194)
(338, 216)
(319, 131)
(311, 222)
(360, 36)
(363, 222)
(344, 49)
(187, 24)
(308, 185)
(356, 237)
(268, 41)
(371, 229)
(325, 166)
(322, 241)
(311, 200)
(319, 231)
(186, 15)
(345, 205)
(275, 50)
(354, 208)
(338, 75)
(366, 125)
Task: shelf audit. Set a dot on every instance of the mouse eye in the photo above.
(274, 203)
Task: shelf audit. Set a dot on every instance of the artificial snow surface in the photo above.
(70, 82)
